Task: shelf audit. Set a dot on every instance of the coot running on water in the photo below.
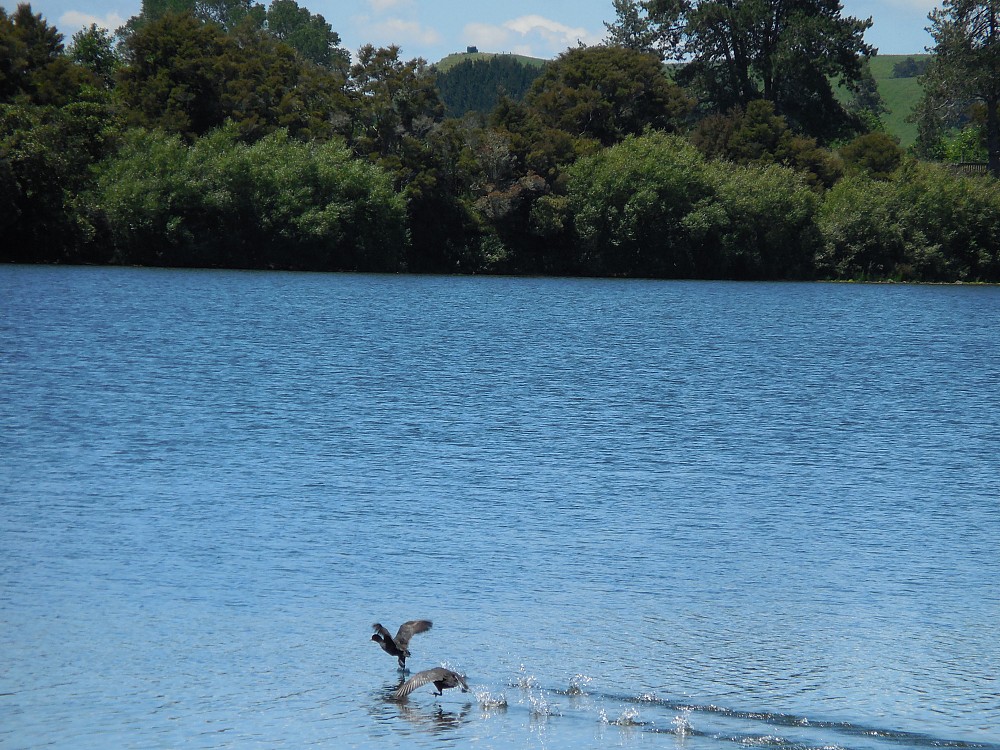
(441, 677)
(399, 646)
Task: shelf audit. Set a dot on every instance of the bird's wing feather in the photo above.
(409, 629)
(419, 679)
(377, 627)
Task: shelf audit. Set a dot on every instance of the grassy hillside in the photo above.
(455, 58)
(900, 95)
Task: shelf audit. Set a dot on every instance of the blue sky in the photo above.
(433, 28)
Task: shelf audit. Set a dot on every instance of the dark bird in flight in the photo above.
(441, 677)
(399, 646)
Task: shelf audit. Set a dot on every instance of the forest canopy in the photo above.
(233, 134)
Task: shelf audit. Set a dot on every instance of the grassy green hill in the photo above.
(899, 94)
(446, 63)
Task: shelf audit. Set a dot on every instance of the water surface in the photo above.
(664, 514)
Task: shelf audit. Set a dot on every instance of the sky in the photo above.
(432, 29)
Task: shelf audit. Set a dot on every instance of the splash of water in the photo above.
(682, 723)
(524, 680)
(578, 684)
(490, 701)
(629, 717)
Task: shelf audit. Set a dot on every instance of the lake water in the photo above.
(640, 514)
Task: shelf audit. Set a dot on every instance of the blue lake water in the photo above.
(640, 514)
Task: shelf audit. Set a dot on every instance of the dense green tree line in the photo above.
(231, 134)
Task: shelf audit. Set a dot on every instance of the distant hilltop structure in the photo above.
(472, 50)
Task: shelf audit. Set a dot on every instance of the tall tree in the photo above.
(789, 52)
(632, 27)
(307, 33)
(176, 75)
(34, 68)
(94, 49)
(965, 68)
(606, 94)
(397, 100)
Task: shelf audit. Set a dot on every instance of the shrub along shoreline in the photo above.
(651, 206)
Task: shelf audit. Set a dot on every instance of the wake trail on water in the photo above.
(651, 713)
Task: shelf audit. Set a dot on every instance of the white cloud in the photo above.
(924, 6)
(72, 21)
(400, 31)
(531, 35)
(381, 6)
(549, 29)
(487, 36)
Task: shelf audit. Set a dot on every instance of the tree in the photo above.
(47, 155)
(789, 52)
(875, 154)
(307, 33)
(189, 77)
(629, 203)
(226, 14)
(397, 100)
(94, 49)
(175, 76)
(632, 28)
(33, 65)
(965, 69)
(606, 94)
(759, 136)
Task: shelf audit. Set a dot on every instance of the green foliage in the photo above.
(865, 234)
(653, 206)
(926, 224)
(875, 154)
(188, 77)
(46, 157)
(476, 85)
(307, 33)
(271, 87)
(94, 49)
(536, 146)
(277, 203)
(966, 145)
(965, 69)
(757, 135)
(785, 52)
(227, 15)
(398, 100)
(630, 203)
(633, 28)
(909, 68)
(606, 94)
(249, 154)
(33, 68)
(176, 75)
(760, 224)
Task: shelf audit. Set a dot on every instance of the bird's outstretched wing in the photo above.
(377, 627)
(418, 680)
(409, 629)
